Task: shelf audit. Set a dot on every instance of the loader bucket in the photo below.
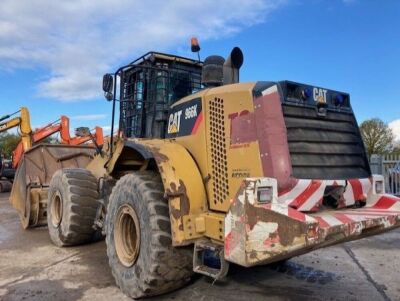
(260, 233)
(33, 175)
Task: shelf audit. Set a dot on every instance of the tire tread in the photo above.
(168, 268)
(81, 203)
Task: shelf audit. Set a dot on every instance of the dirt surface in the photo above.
(31, 268)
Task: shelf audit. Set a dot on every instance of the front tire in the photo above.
(71, 207)
(138, 236)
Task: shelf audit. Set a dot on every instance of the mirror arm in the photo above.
(113, 115)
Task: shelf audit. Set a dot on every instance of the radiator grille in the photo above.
(328, 147)
(219, 164)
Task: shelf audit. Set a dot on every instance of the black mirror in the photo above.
(108, 81)
(108, 84)
(82, 131)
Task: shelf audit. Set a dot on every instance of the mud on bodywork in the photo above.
(258, 233)
(182, 182)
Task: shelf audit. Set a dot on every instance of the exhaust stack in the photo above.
(232, 66)
(217, 71)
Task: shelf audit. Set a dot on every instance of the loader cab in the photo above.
(147, 88)
(6, 169)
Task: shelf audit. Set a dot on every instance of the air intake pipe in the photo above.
(213, 71)
(232, 66)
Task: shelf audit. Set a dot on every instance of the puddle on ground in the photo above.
(304, 273)
(4, 234)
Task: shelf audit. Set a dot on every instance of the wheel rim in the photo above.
(56, 210)
(127, 235)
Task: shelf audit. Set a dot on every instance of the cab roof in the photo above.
(153, 55)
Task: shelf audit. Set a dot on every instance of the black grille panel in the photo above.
(328, 147)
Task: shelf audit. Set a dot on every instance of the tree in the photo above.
(396, 148)
(49, 140)
(8, 142)
(378, 137)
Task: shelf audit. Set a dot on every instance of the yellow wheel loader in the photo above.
(205, 171)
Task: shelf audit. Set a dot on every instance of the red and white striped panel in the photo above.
(382, 209)
(383, 202)
(307, 195)
(290, 212)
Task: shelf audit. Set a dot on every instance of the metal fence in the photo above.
(389, 167)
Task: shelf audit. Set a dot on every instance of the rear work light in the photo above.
(265, 194)
(305, 93)
(379, 187)
(338, 100)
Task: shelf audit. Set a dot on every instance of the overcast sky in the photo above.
(53, 53)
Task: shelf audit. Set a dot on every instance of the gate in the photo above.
(388, 166)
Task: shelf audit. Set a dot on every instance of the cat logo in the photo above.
(174, 122)
(319, 95)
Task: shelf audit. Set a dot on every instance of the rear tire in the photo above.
(5, 186)
(138, 236)
(71, 207)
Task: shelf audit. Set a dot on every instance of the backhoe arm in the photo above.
(24, 123)
(61, 125)
(96, 137)
(4, 126)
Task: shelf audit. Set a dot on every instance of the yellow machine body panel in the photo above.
(183, 183)
(202, 124)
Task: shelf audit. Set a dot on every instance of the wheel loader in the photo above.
(205, 171)
(34, 165)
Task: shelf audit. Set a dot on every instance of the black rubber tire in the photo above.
(159, 267)
(77, 189)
